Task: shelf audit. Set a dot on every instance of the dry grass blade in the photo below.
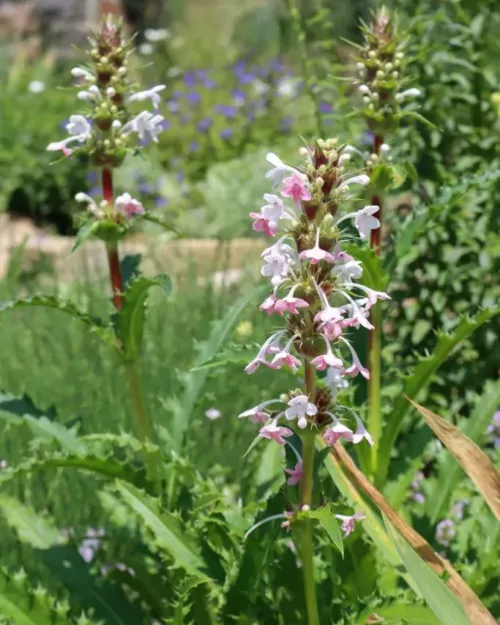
(475, 610)
(473, 460)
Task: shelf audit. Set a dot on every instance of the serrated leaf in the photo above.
(166, 529)
(398, 613)
(331, 526)
(130, 318)
(473, 460)
(30, 527)
(129, 268)
(437, 595)
(450, 472)
(85, 232)
(194, 382)
(94, 324)
(421, 376)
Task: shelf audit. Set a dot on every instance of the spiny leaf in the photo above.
(450, 473)
(473, 460)
(476, 611)
(31, 528)
(94, 324)
(129, 268)
(195, 381)
(166, 529)
(438, 596)
(130, 319)
(330, 524)
(414, 383)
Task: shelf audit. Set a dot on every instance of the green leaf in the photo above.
(107, 601)
(31, 528)
(161, 223)
(397, 614)
(22, 605)
(167, 530)
(418, 117)
(437, 595)
(85, 232)
(421, 376)
(195, 381)
(94, 324)
(129, 268)
(270, 476)
(450, 472)
(17, 407)
(130, 319)
(234, 354)
(330, 524)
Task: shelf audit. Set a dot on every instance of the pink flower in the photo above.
(295, 474)
(127, 206)
(327, 360)
(263, 224)
(285, 358)
(260, 359)
(275, 432)
(290, 304)
(356, 366)
(357, 315)
(316, 254)
(328, 316)
(295, 187)
(257, 414)
(269, 304)
(337, 431)
(348, 522)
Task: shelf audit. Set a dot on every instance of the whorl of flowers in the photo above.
(106, 128)
(380, 65)
(315, 289)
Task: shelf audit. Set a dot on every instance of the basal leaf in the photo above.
(130, 319)
(473, 460)
(30, 527)
(437, 595)
(167, 530)
(422, 374)
(450, 473)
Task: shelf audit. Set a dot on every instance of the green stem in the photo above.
(374, 384)
(306, 539)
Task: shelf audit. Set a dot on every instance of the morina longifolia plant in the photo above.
(315, 290)
(107, 129)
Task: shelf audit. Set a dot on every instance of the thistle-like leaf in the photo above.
(30, 527)
(130, 319)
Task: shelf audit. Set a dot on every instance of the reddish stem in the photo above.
(112, 248)
(376, 201)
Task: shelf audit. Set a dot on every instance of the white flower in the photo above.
(300, 409)
(36, 86)
(276, 266)
(212, 414)
(81, 72)
(146, 49)
(287, 87)
(93, 94)
(274, 208)
(365, 222)
(156, 34)
(362, 179)
(361, 433)
(409, 93)
(80, 130)
(146, 125)
(364, 89)
(150, 94)
(348, 271)
(259, 87)
(279, 169)
(335, 380)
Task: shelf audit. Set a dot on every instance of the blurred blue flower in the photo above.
(276, 65)
(228, 110)
(240, 66)
(325, 107)
(285, 124)
(246, 78)
(173, 106)
(239, 94)
(193, 97)
(165, 124)
(190, 79)
(194, 146)
(92, 177)
(201, 73)
(95, 191)
(146, 187)
(185, 119)
(226, 133)
(161, 201)
(205, 124)
(180, 176)
(209, 83)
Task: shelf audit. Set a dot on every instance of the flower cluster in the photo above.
(380, 77)
(106, 128)
(315, 289)
(493, 430)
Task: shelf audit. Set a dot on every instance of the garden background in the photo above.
(240, 82)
